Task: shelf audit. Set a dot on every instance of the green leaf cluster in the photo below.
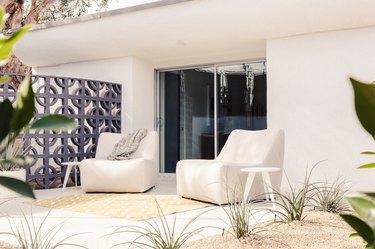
(7, 42)
(364, 100)
(19, 118)
(364, 222)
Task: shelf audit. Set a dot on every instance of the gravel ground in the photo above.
(317, 231)
(4, 245)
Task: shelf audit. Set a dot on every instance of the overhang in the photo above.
(176, 33)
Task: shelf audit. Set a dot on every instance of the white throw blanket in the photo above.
(127, 145)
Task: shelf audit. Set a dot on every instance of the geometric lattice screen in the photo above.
(95, 105)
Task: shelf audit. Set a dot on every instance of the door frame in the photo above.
(158, 122)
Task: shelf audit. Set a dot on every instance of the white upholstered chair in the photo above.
(220, 180)
(135, 175)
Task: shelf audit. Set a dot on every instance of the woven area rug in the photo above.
(127, 206)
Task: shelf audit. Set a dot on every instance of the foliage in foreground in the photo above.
(159, 235)
(14, 149)
(364, 98)
(33, 235)
(19, 118)
(364, 222)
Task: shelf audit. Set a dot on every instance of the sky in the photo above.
(117, 4)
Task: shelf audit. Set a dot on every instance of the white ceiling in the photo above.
(190, 32)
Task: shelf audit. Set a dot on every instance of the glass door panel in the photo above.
(241, 99)
(187, 114)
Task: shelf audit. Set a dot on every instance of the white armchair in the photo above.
(220, 180)
(135, 175)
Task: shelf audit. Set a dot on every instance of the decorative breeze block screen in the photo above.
(95, 105)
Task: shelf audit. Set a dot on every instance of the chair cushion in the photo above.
(127, 145)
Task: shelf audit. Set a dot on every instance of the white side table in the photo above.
(252, 171)
(69, 168)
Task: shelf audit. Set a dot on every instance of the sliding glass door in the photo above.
(187, 111)
(199, 107)
(242, 98)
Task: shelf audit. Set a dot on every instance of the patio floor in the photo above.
(93, 230)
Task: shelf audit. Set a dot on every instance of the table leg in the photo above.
(268, 188)
(249, 183)
(66, 177)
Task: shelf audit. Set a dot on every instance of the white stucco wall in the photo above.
(144, 95)
(310, 96)
(136, 77)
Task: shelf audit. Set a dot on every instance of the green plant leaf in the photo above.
(18, 186)
(367, 166)
(354, 235)
(364, 98)
(54, 122)
(16, 36)
(368, 153)
(25, 105)
(360, 227)
(361, 206)
(7, 43)
(6, 110)
(372, 195)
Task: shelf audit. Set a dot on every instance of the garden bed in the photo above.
(319, 230)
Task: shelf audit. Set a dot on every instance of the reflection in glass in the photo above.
(242, 102)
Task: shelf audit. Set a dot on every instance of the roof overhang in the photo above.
(176, 33)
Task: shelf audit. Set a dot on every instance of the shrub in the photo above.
(33, 235)
(239, 215)
(159, 236)
(293, 203)
(330, 197)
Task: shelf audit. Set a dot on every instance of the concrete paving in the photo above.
(94, 232)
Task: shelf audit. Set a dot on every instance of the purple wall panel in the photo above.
(95, 105)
